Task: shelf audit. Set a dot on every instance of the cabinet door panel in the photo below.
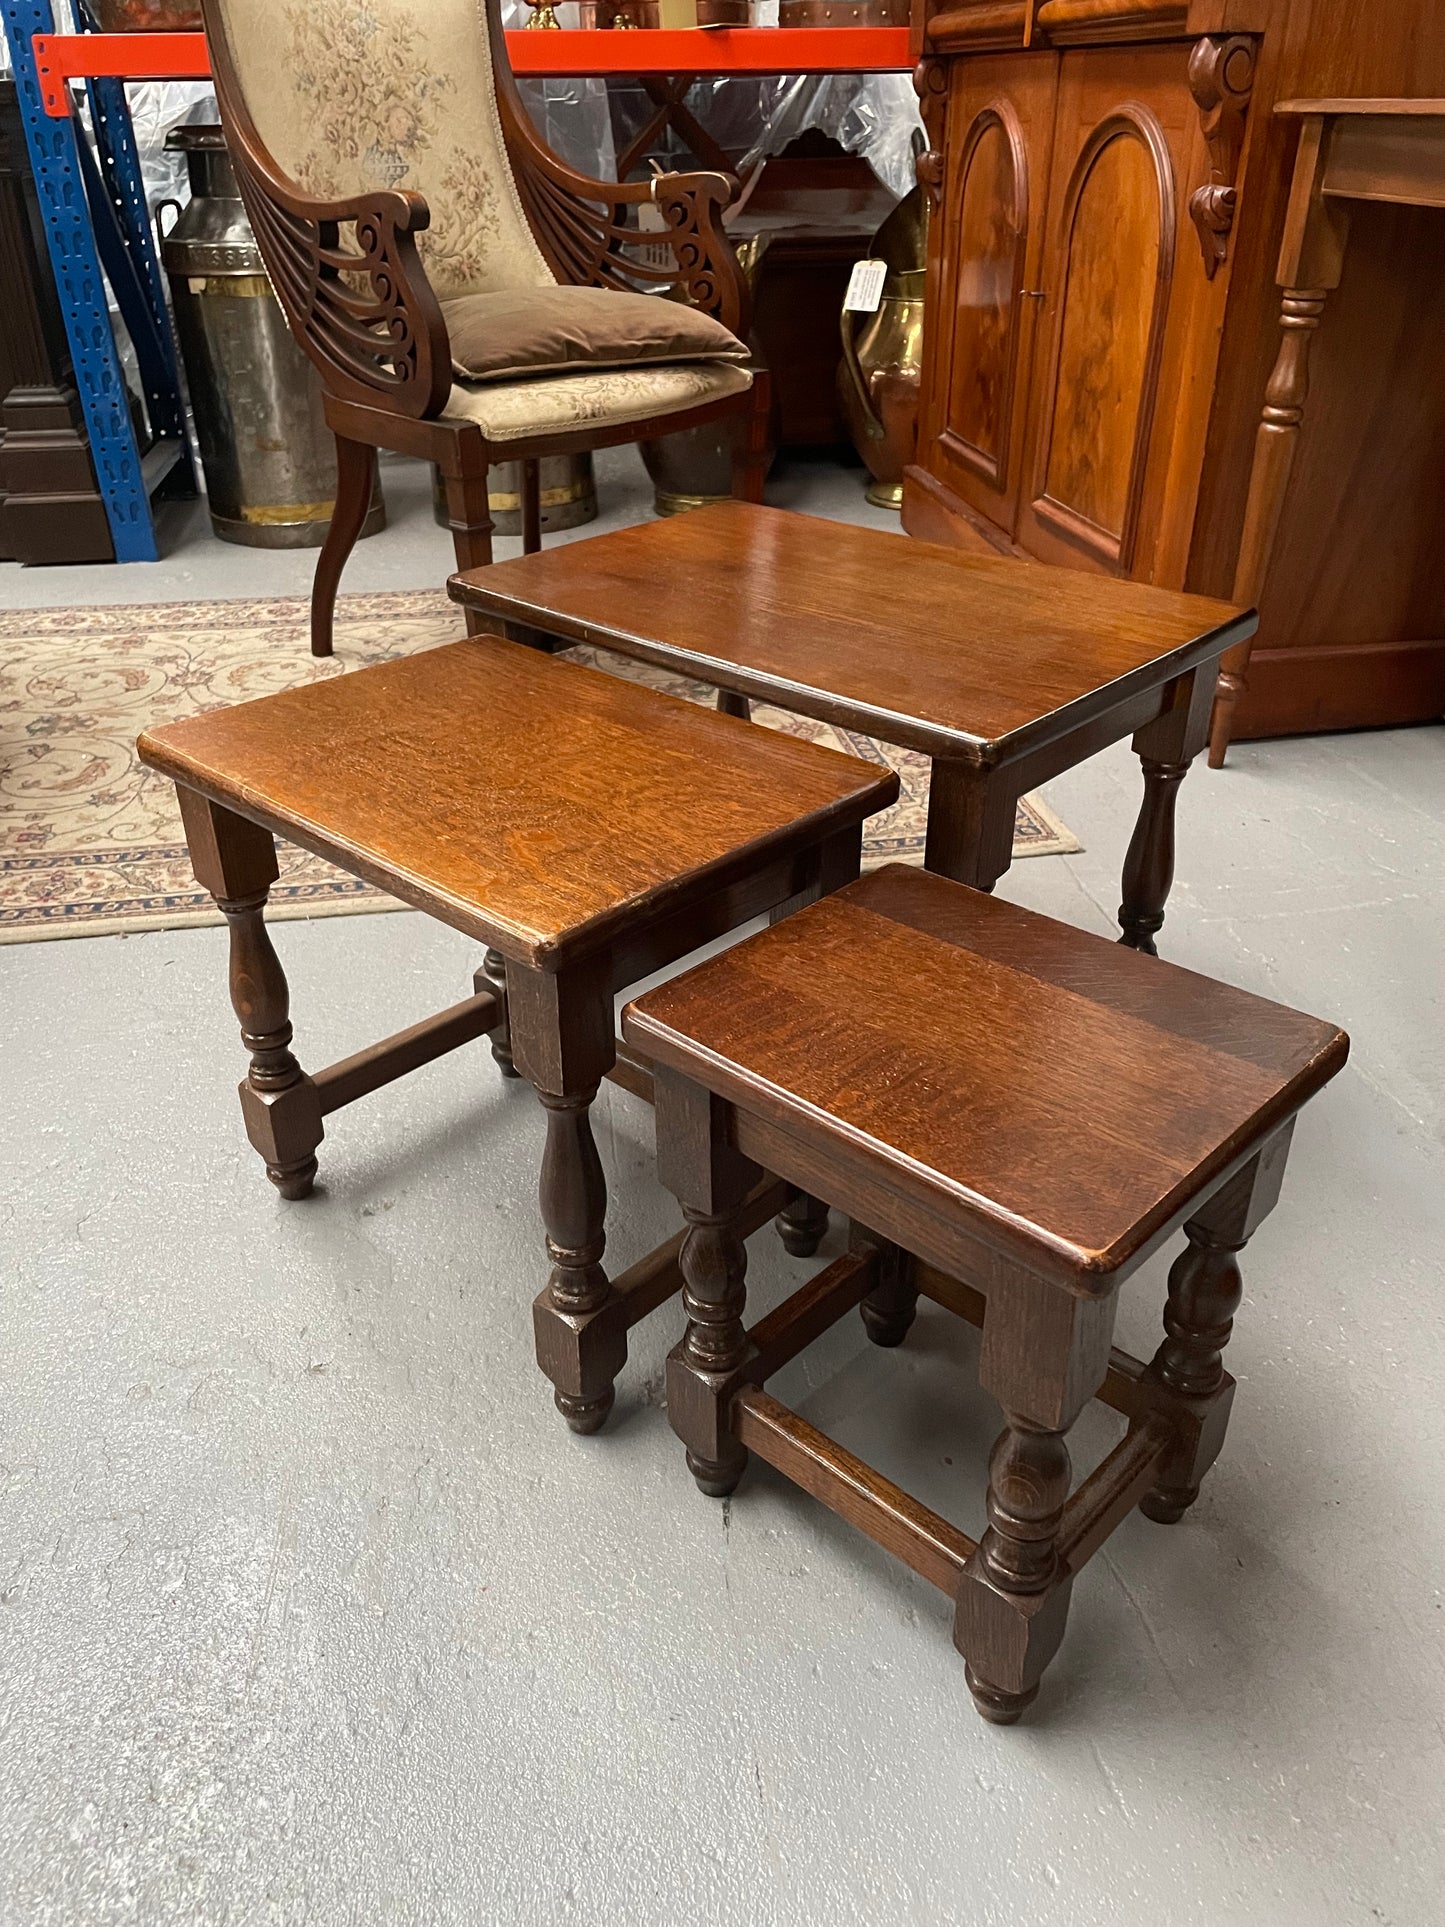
(988, 237)
(992, 233)
(1112, 257)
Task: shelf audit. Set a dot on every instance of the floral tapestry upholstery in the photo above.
(511, 410)
(356, 94)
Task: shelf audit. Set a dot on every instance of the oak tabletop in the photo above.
(1067, 1094)
(537, 804)
(967, 656)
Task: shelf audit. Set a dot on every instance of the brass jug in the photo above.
(882, 365)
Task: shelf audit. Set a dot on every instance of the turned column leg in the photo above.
(1166, 748)
(573, 1194)
(1185, 1383)
(1028, 1484)
(1205, 1289)
(564, 1044)
(714, 1264)
(493, 976)
(236, 861)
(1044, 1354)
(890, 1308)
(802, 1224)
(1149, 865)
(710, 1180)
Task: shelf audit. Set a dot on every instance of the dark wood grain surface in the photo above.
(966, 656)
(536, 804)
(1065, 1092)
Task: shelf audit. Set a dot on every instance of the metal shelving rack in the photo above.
(94, 211)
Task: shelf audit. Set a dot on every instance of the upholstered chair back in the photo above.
(355, 94)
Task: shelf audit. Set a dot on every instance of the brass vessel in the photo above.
(882, 365)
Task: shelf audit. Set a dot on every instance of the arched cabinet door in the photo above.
(1109, 264)
(1000, 118)
(992, 212)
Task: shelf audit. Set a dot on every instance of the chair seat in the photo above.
(541, 806)
(1062, 1095)
(511, 411)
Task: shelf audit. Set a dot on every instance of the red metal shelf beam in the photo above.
(62, 57)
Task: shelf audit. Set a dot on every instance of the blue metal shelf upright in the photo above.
(95, 211)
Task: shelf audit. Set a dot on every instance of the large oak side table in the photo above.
(1005, 673)
(588, 831)
(1015, 1111)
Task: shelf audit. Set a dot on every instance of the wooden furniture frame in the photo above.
(1111, 189)
(383, 353)
(653, 826)
(1004, 676)
(1349, 150)
(746, 1050)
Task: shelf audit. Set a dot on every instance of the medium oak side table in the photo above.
(1004, 673)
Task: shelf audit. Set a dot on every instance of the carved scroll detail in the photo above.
(1221, 79)
(930, 83)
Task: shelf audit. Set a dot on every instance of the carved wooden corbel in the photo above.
(1221, 77)
(930, 83)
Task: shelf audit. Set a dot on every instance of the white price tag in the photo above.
(865, 287)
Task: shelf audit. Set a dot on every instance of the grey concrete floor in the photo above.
(312, 1611)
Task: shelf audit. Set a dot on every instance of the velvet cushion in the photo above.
(536, 331)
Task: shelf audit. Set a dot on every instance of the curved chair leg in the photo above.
(355, 481)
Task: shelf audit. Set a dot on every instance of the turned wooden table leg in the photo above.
(802, 1224)
(236, 861)
(1044, 1354)
(1185, 1381)
(1028, 1483)
(573, 1194)
(891, 1307)
(714, 1264)
(1165, 748)
(711, 1181)
(563, 1041)
(1149, 865)
(493, 976)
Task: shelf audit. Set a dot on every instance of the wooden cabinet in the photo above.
(1109, 185)
(1081, 318)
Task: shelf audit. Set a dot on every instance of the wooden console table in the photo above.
(1349, 150)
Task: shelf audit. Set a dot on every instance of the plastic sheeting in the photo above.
(571, 115)
(874, 115)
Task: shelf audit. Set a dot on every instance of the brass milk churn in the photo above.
(882, 366)
(269, 458)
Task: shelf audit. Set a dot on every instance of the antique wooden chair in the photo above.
(389, 168)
